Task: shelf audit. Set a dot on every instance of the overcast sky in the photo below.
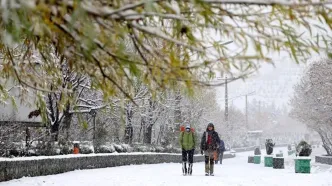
(270, 84)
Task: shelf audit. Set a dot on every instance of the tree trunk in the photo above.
(148, 130)
(161, 129)
(148, 135)
(177, 111)
(326, 144)
(129, 128)
(55, 131)
(177, 116)
(128, 134)
(140, 129)
(67, 121)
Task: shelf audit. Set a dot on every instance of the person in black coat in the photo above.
(209, 145)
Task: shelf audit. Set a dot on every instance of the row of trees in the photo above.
(312, 100)
(138, 61)
(146, 117)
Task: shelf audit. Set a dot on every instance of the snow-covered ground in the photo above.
(234, 171)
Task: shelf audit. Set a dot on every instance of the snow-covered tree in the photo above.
(312, 100)
(69, 93)
(138, 94)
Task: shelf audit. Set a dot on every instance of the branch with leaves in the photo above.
(93, 38)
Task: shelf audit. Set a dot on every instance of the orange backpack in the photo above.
(182, 129)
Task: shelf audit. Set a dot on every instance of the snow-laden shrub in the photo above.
(149, 148)
(171, 149)
(57, 151)
(118, 148)
(86, 148)
(66, 148)
(109, 148)
(152, 149)
(126, 148)
(160, 149)
(257, 151)
(31, 152)
(17, 149)
(46, 149)
(303, 149)
(141, 148)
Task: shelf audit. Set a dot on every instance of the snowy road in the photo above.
(234, 171)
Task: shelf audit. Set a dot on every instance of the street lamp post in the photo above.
(93, 113)
(226, 95)
(249, 94)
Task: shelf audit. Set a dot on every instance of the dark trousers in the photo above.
(221, 155)
(188, 155)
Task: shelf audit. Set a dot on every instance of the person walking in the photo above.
(209, 145)
(221, 150)
(187, 143)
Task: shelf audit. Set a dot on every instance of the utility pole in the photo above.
(247, 111)
(247, 124)
(226, 102)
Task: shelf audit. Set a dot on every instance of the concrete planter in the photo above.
(250, 159)
(279, 155)
(290, 152)
(268, 161)
(257, 159)
(278, 163)
(324, 159)
(302, 165)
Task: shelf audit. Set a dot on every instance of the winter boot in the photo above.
(207, 168)
(184, 168)
(190, 169)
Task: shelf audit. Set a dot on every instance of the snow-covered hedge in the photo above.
(85, 147)
(13, 168)
(154, 148)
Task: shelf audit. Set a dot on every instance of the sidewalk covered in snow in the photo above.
(234, 171)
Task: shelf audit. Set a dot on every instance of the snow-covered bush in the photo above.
(152, 149)
(303, 149)
(44, 149)
(66, 147)
(171, 149)
(126, 148)
(118, 148)
(159, 149)
(141, 148)
(105, 149)
(86, 148)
